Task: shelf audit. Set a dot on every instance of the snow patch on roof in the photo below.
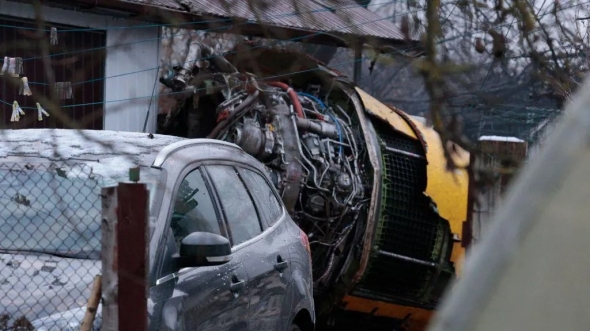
(108, 169)
(67, 144)
(501, 138)
(106, 154)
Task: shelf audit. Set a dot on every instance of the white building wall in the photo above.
(131, 70)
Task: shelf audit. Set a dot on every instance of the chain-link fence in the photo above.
(50, 243)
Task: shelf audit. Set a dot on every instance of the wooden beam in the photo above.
(132, 255)
(92, 307)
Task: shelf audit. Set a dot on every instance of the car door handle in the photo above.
(236, 285)
(281, 264)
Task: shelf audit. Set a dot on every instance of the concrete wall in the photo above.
(130, 70)
(139, 56)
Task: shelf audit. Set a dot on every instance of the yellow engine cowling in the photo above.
(448, 190)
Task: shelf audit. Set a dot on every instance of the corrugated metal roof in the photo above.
(344, 17)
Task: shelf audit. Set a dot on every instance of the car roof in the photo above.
(68, 144)
(109, 153)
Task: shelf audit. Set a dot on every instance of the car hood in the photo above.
(37, 286)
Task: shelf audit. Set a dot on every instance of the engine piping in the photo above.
(248, 102)
(293, 171)
(292, 95)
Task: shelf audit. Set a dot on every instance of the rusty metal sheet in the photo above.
(335, 16)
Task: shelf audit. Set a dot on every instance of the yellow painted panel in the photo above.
(448, 189)
(375, 107)
(417, 321)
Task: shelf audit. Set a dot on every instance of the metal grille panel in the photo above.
(408, 227)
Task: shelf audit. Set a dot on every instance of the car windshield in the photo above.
(56, 210)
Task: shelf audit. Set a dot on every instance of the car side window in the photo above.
(194, 210)
(240, 213)
(269, 206)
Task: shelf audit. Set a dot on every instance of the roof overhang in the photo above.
(149, 12)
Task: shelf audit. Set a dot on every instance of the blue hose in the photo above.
(313, 98)
(329, 114)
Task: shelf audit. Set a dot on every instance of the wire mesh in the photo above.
(50, 243)
(408, 226)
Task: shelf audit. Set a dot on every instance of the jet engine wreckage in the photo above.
(365, 181)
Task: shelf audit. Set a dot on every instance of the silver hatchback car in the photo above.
(200, 191)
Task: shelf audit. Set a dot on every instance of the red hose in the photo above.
(292, 95)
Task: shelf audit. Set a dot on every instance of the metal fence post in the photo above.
(110, 311)
(132, 257)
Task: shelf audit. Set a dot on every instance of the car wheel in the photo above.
(294, 327)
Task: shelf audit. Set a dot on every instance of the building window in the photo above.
(77, 60)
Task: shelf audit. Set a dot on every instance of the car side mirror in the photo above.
(200, 249)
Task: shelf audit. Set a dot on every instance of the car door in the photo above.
(279, 239)
(202, 298)
(262, 253)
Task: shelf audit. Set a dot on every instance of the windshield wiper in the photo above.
(40, 251)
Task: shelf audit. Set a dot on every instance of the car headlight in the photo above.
(70, 320)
